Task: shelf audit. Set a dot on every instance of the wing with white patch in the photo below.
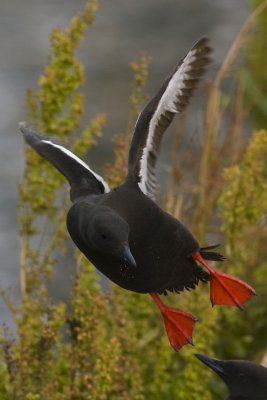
(157, 115)
(82, 179)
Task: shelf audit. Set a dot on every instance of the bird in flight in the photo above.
(122, 231)
(245, 380)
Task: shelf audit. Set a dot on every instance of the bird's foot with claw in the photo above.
(179, 324)
(226, 289)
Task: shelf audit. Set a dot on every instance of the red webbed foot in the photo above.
(225, 289)
(179, 324)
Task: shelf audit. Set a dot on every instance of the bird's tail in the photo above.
(211, 255)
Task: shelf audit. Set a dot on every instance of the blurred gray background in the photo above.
(166, 29)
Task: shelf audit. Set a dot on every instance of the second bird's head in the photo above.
(245, 380)
(109, 233)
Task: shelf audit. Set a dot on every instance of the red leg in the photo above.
(179, 324)
(225, 289)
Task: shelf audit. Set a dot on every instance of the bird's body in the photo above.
(166, 263)
(245, 380)
(122, 231)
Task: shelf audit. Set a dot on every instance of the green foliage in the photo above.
(243, 205)
(58, 105)
(110, 346)
(244, 201)
(254, 76)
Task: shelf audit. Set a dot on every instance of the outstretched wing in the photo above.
(157, 115)
(82, 179)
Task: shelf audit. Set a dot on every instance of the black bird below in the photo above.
(122, 231)
(245, 380)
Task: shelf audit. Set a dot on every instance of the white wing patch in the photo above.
(78, 160)
(166, 103)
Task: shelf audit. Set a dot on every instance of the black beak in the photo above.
(212, 363)
(127, 256)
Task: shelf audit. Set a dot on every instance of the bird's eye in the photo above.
(103, 236)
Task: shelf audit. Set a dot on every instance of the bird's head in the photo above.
(245, 380)
(109, 233)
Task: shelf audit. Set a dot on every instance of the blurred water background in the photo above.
(166, 29)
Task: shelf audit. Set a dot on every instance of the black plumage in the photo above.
(123, 232)
(245, 380)
(145, 222)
